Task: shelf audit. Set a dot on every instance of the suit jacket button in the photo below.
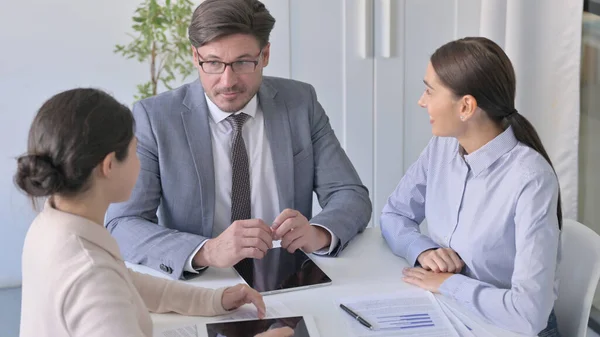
(169, 270)
(164, 268)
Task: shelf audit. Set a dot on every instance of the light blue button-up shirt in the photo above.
(496, 207)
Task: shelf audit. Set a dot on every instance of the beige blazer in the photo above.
(76, 284)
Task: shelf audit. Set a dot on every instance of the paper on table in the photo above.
(246, 312)
(406, 313)
(460, 327)
(183, 331)
(479, 327)
(274, 309)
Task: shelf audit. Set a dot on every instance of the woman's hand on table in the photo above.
(236, 296)
(425, 279)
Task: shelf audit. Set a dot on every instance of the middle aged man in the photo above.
(230, 162)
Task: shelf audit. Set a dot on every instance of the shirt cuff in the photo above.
(188, 264)
(334, 242)
(458, 287)
(418, 246)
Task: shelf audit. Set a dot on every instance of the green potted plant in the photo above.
(161, 40)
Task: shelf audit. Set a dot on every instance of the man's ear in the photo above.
(266, 54)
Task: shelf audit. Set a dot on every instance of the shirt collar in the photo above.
(488, 154)
(219, 115)
(82, 227)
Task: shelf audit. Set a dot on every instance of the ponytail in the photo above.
(526, 134)
(477, 66)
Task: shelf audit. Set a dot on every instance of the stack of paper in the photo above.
(406, 313)
(415, 312)
(474, 324)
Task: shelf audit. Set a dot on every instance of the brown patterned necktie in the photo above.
(240, 172)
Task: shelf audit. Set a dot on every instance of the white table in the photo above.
(366, 266)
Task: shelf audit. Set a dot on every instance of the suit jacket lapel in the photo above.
(277, 127)
(197, 132)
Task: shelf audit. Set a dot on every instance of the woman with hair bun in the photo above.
(82, 157)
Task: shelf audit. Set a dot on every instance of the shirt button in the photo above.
(166, 269)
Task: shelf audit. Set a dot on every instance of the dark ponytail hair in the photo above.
(71, 134)
(478, 67)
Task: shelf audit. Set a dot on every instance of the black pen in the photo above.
(356, 316)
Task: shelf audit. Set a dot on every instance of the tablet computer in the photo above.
(303, 326)
(281, 271)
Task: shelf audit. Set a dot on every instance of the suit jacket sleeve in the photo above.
(342, 196)
(134, 223)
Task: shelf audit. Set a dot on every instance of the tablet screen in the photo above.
(254, 327)
(280, 270)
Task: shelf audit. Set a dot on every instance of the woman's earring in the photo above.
(462, 118)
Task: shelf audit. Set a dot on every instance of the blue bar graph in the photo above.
(402, 322)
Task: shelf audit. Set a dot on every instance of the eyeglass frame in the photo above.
(230, 64)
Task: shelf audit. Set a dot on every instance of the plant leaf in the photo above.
(164, 24)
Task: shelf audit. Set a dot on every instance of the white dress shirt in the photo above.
(263, 187)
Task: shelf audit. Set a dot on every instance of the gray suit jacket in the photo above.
(171, 209)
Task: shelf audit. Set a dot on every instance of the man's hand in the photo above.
(279, 332)
(243, 239)
(294, 231)
(236, 296)
(441, 260)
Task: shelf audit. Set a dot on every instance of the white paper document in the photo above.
(247, 312)
(274, 309)
(476, 325)
(406, 313)
(184, 331)
(462, 328)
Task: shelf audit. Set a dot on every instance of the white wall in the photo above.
(49, 46)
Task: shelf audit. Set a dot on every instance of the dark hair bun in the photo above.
(70, 135)
(37, 176)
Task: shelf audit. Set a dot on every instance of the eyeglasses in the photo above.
(238, 67)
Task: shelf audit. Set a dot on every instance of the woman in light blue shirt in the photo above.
(489, 193)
